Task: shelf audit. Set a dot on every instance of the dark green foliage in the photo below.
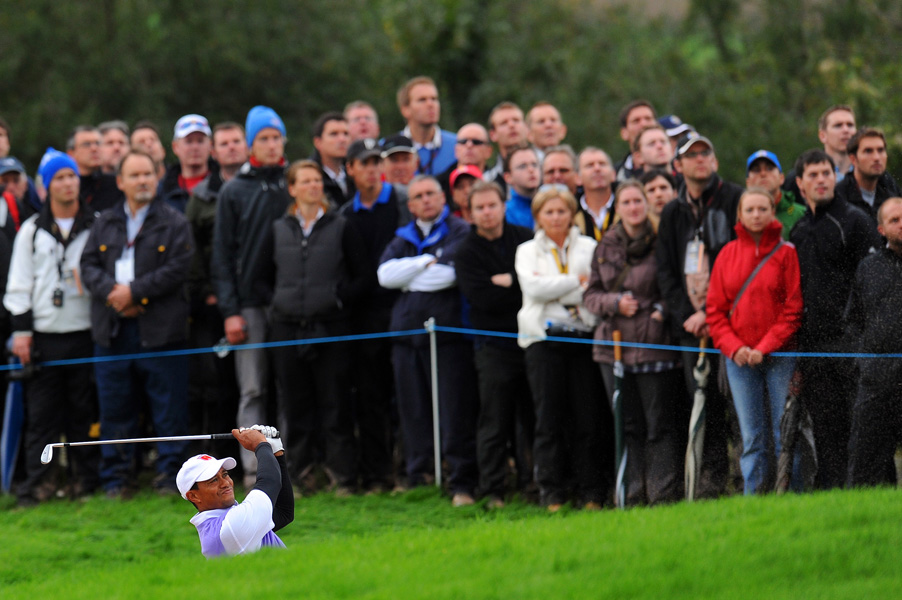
(750, 75)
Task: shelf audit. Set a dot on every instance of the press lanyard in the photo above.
(557, 258)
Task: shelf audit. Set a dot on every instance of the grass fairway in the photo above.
(830, 545)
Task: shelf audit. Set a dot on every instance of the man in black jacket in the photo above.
(487, 279)
(872, 318)
(191, 144)
(135, 264)
(869, 184)
(331, 140)
(247, 207)
(698, 224)
(831, 239)
(98, 190)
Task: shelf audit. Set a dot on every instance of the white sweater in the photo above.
(547, 291)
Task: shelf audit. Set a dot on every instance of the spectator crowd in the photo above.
(107, 251)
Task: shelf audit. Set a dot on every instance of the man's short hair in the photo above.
(70, 142)
(115, 124)
(657, 126)
(855, 140)
(359, 104)
(422, 177)
(4, 126)
(815, 156)
(506, 105)
(404, 91)
(320, 124)
(588, 149)
(539, 104)
(133, 152)
(626, 110)
(227, 125)
(652, 174)
(506, 164)
(480, 186)
(566, 149)
(145, 124)
(822, 120)
(894, 200)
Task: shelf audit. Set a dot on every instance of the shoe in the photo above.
(494, 503)
(462, 499)
(593, 506)
(553, 508)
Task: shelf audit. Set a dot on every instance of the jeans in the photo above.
(748, 387)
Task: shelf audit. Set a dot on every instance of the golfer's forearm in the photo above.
(283, 509)
(269, 476)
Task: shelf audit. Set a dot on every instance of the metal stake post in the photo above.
(436, 434)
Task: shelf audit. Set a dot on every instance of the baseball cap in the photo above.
(11, 164)
(674, 125)
(397, 143)
(200, 468)
(691, 138)
(471, 170)
(189, 124)
(364, 149)
(766, 155)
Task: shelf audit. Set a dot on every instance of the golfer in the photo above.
(224, 526)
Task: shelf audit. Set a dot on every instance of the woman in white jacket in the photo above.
(553, 270)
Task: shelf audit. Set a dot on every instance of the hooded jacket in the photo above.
(770, 310)
(248, 204)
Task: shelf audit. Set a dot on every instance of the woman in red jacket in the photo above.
(748, 326)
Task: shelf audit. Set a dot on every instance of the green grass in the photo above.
(829, 545)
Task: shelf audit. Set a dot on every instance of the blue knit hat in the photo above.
(262, 117)
(52, 162)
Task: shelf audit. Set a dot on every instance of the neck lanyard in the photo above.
(557, 258)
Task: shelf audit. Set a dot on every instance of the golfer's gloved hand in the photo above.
(272, 436)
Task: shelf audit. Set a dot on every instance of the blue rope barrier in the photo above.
(414, 332)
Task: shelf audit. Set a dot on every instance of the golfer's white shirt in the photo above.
(243, 526)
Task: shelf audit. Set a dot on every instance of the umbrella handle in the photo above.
(618, 351)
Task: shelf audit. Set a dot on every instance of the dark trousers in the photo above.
(212, 385)
(715, 460)
(371, 373)
(828, 390)
(503, 394)
(458, 406)
(313, 394)
(569, 399)
(875, 434)
(61, 401)
(653, 473)
(164, 381)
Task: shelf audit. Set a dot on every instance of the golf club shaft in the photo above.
(179, 438)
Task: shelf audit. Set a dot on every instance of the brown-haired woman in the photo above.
(623, 292)
(319, 268)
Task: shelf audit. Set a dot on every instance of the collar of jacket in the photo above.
(770, 237)
(411, 232)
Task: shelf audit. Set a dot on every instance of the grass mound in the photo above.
(829, 545)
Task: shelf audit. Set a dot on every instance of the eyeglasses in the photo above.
(475, 142)
(706, 152)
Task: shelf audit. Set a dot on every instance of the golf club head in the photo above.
(47, 454)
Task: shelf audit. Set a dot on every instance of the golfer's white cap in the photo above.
(200, 468)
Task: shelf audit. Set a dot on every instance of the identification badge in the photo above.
(125, 270)
(71, 282)
(695, 251)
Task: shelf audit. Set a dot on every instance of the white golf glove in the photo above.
(272, 436)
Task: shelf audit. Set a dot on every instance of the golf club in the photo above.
(47, 454)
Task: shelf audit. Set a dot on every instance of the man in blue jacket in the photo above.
(420, 107)
(419, 261)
